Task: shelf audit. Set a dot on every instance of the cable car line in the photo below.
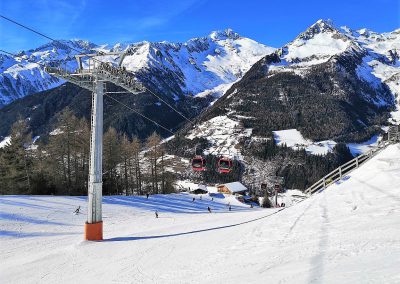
(106, 94)
(94, 59)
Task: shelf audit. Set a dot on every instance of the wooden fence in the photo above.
(353, 164)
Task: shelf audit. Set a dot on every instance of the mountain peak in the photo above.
(322, 26)
(224, 34)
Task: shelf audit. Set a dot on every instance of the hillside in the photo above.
(328, 86)
(188, 75)
(347, 234)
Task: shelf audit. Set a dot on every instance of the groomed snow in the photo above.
(349, 233)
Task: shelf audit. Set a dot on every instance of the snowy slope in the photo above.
(223, 134)
(347, 234)
(371, 58)
(383, 63)
(201, 66)
(294, 139)
(378, 55)
(208, 64)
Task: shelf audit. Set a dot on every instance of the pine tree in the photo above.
(152, 143)
(135, 148)
(16, 171)
(68, 154)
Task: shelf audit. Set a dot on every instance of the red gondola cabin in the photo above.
(225, 165)
(199, 163)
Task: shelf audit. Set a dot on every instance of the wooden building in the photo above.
(232, 188)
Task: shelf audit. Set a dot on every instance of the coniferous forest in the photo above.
(59, 164)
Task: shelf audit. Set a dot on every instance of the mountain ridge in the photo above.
(167, 57)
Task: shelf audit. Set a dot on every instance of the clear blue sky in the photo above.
(271, 22)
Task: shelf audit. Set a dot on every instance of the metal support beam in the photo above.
(94, 224)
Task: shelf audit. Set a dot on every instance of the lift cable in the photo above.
(106, 94)
(95, 59)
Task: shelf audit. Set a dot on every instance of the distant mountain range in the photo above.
(329, 85)
(200, 66)
(356, 73)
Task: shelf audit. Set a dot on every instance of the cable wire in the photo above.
(137, 112)
(95, 59)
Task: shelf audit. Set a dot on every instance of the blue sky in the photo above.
(271, 22)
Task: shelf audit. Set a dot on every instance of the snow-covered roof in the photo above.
(234, 186)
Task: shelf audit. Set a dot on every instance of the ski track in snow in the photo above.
(348, 233)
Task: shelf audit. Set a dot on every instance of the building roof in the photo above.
(202, 187)
(234, 186)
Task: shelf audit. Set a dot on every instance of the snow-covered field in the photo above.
(295, 140)
(349, 233)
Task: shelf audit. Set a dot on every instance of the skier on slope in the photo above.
(77, 211)
(156, 213)
(209, 209)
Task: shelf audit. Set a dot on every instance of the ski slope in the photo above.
(349, 233)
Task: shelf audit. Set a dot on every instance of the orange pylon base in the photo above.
(94, 231)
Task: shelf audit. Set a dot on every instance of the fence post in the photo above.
(324, 183)
(340, 172)
(357, 162)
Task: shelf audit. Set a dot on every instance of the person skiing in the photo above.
(147, 195)
(200, 197)
(209, 209)
(77, 211)
(156, 214)
(212, 199)
(230, 208)
(193, 199)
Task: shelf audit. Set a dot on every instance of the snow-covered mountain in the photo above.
(377, 56)
(328, 85)
(200, 66)
(382, 62)
(20, 76)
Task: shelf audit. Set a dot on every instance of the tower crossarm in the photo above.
(102, 70)
(120, 77)
(83, 81)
